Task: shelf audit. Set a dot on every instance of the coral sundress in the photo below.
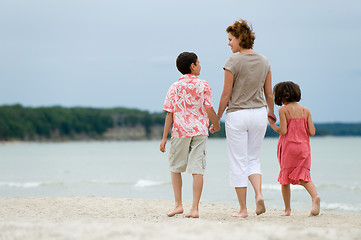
(294, 152)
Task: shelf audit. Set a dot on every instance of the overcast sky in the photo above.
(110, 53)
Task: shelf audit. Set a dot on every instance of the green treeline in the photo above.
(49, 123)
(61, 123)
(329, 129)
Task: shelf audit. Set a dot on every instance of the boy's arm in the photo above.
(167, 125)
(214, 119)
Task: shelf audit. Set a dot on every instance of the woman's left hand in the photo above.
(272, 116)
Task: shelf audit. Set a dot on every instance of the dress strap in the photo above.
(288, 111)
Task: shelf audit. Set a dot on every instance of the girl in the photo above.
(293, 149)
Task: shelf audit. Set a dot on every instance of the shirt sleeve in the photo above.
(229, 65)
(208, 96)
(168, 105)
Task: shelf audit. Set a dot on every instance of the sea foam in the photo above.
(21, 185)
(141, 183)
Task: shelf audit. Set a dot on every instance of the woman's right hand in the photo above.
(213, 129)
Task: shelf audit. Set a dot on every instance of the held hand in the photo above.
(271, 120)
(272, 117)
(211, 129)
(214, 129)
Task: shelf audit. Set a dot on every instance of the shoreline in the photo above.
(127, 218)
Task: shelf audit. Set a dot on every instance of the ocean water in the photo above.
(139, 170)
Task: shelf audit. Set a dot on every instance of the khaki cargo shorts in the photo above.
(188, 152)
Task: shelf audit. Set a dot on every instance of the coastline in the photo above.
(128, 218)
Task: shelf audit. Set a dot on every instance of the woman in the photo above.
(247, 80)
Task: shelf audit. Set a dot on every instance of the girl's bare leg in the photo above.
(197, 192)
(241, 195)
(286, 193)
(256, 181)
(316, 200)
(177, 190)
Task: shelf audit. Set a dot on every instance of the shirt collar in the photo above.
(187, 76)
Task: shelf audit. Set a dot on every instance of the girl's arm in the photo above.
(167, 125)
(310, 125)
(282, 128)
(269, 96)
(227, 92)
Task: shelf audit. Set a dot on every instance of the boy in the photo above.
(189, 107)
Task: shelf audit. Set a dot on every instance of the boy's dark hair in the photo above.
(286, 92)
(185, 60)
(244, 32)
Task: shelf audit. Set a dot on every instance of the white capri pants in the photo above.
(245, 131)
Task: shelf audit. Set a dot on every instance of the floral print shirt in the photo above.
(188, 99)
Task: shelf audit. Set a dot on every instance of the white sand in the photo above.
(115, 218)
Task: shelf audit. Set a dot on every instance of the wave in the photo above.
(108, 182)
(149, 183)
(21, 185)
(349, 207)
(141, 183)
(28, 184)
(353, 188)
(277, 187)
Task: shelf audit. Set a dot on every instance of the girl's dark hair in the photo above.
(286, 92)
(241, 30)
(185, 60)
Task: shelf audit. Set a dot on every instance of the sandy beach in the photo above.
(119, 218)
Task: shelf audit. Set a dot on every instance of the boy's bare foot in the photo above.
(193, 214)
(315, 206)
(177, 210)
(260, 207)
(287, 213)
(240, 214)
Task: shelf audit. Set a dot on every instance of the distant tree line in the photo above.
(27, 123)
(54, 123)
(329, 129)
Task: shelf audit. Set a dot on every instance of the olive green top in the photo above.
(249, 75)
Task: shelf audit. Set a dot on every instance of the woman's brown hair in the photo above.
(241, 30)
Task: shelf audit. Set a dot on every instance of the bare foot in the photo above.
(315, 206)
(287, 213)
(177, 210)
(260, 207)
(193, 214)
(240, 214)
